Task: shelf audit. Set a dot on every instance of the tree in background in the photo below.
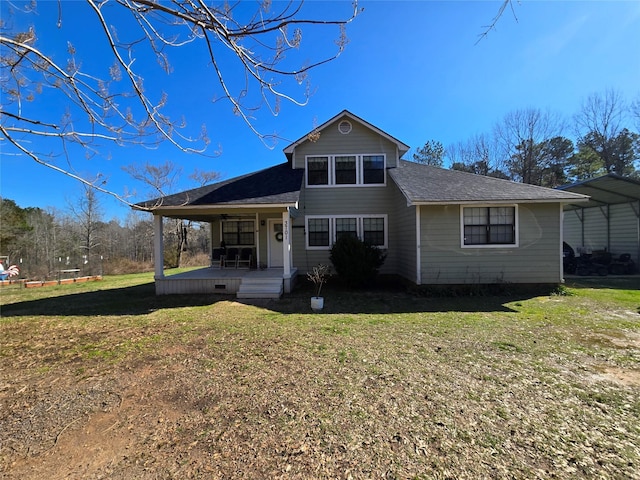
(43, 242)
(554, 155)
(599, 126)
(520, 136)
(635, 112)
(432, 153)
(14, 227)
(88, 223)
(161, 180)
(477, 155)
(116, 105)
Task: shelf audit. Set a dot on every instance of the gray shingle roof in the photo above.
(276, 185)
(423, 184)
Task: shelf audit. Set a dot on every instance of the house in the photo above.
(347, 177)
(609, 221)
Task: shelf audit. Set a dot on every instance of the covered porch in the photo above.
(266, 272)
(252, 212)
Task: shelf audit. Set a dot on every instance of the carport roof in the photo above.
(609, 189)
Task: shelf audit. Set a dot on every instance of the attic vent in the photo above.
(344, 127)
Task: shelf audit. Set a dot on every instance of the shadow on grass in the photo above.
(134, 300)
(402, 298)
(380, 299)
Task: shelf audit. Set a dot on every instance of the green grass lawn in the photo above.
(381, 384)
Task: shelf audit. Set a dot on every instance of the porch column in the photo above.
(286, 249)
(418, 248)
(158, 246)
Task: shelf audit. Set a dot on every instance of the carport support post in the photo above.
(158, 246)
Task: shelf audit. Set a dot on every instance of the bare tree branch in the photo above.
(494, 21)
(114, 106)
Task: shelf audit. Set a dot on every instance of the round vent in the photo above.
(344, 127)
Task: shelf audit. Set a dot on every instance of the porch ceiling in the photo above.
(210, 213)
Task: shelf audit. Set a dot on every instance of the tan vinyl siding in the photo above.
(360, 140)
(341, 201)
(402, 239)
(536, 260)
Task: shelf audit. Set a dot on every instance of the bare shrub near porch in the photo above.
(319, 275)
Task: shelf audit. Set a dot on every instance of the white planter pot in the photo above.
(317, 303)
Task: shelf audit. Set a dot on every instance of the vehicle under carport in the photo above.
(609, 223)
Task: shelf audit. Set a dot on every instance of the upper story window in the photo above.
(373, 169)
(345, 170)
(318, 171)
(489, 226)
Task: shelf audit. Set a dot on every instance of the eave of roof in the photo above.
(277, 186)
(402, 147)
(428, 185)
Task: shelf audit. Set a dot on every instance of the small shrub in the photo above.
(355, 261)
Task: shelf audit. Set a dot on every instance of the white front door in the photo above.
(276, 237)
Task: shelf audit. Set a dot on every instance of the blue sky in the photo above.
(412, 68)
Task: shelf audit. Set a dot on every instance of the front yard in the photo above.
(105, 380)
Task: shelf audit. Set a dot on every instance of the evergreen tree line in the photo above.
(530, 145)
(42, 243)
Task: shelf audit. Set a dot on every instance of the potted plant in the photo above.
(318, 275)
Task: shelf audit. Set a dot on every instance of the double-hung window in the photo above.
(318, 171)
(323, 231)
(238, 232)
(345, 170)
(489, 226)
(346, 227)
(372, 169)
(373, 230)
(318, 232)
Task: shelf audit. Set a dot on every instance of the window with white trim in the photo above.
(372, 169)
(345, 170)
(323, 231)
(318, 171)
(238, 232)
(317, 232)
(489, 226)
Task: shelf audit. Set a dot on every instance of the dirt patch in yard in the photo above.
(623, 376)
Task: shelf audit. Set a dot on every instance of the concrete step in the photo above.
(260, 288)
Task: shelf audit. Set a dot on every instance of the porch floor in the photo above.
(211, 272)
(246, 283)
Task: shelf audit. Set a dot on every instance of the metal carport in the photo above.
(610, 219)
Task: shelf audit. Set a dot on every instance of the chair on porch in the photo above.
(245, 257)
(231, 257)
(218, 257)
